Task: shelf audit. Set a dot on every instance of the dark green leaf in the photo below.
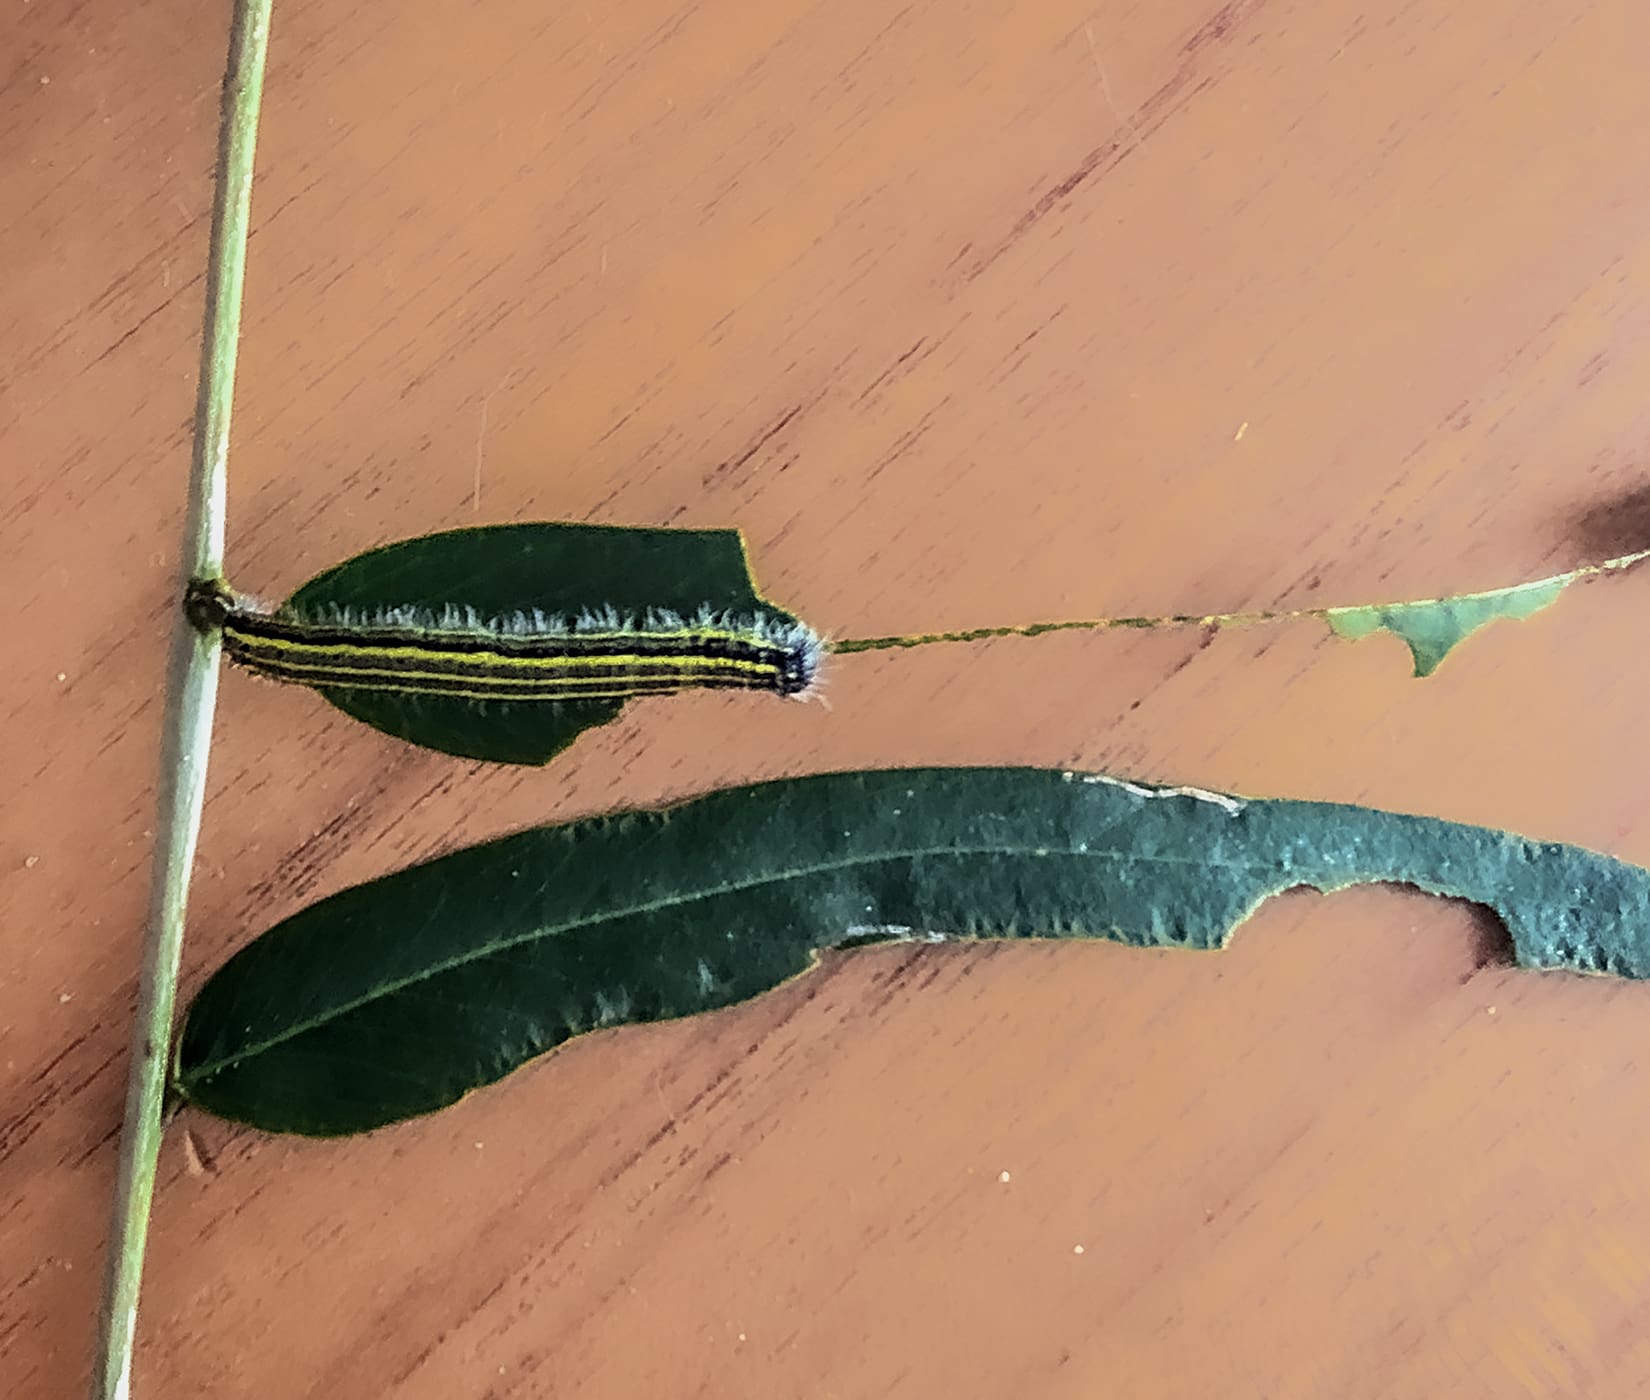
(502, 569)
(398, 996)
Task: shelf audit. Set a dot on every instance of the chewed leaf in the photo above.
(399, 996)
(480, 590)
(1432, 629)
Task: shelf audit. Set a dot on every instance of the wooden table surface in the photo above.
(966, 314)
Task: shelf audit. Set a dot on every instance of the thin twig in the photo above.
(191, 697)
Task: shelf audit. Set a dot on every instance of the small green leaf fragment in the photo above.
(399, 996)
(1432, 629)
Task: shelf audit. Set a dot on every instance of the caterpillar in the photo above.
(519, 657)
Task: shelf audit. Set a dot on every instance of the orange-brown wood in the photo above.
(966, 314)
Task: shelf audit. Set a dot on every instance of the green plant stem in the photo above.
(191, 698)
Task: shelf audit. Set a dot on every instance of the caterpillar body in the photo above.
(518, 657)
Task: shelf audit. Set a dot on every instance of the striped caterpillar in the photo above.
(524, 656)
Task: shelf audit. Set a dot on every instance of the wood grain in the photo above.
(967, 314)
